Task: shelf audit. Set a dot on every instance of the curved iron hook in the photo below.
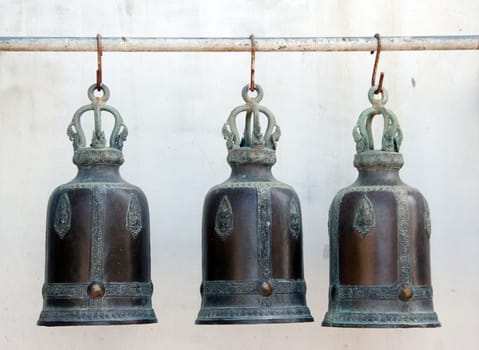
(99, 50)
(376, 62)
(253, 54)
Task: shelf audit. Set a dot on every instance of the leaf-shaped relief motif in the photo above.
(364, 217)
(63, 216)
(133, 216)
(228, 136)
(224, 219)
(294, 218)
(427, 219)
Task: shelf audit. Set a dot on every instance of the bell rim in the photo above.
(94, 317)
(381, 325)
(95, 323)
(432, 323)
(255, 315)
(246, 321)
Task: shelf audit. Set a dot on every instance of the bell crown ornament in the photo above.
(252, 234)
(253, 146)
(379, 230)
(97, 237)
(97, 153)
(388, 155)
(252, 137)
(362, 132)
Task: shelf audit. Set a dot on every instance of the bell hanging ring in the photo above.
(98, 235)
(252, 233)
(379, 230)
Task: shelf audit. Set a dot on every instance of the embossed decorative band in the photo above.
(91, 185)
(279, 286)
(403, 235)
(103, 156)
(238, 313)
(263, 230)
(378, 159)
(112, 289)
(381, 292)
(97, 229)
(357, 319)
(250, 184)
(251, 155)
(110, 316)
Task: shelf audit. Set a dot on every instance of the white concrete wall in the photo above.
(175, 104)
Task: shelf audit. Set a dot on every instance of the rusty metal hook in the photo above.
(253, 54)
(99, 50)
(376, 62)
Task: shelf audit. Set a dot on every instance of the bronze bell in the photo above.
(252, 234)
(379, 230)
(97, 236)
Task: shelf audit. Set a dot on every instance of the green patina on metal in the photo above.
(362, 132)
(379, 231)
(252, 232)
(98, 249)
(98, 104)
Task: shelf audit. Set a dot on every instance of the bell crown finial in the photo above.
(252, 136)
(98, 104)
(362, 131)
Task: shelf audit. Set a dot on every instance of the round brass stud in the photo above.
(405, 293)
(265, 288)
(96, 290)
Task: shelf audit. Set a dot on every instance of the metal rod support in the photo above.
(124, 44)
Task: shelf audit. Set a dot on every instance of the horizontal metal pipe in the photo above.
(123, 44)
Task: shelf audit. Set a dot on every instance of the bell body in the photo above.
(252, 234)
(98, 251)
(379, 230)
(97, 246)
(252, 247)
(379, 236)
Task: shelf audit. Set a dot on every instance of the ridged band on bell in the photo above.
(379, 231)
(252, 232)
(98, 237)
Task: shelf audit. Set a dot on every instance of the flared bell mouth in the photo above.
(88, 317)
(251, 315)
(97, 303)
(253, 302)
(98, 157)
(378, 159)
(252, 155)
(381, 320)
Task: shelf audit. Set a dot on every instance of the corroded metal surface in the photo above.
(252, 233)
(379, 232)
(98, 239)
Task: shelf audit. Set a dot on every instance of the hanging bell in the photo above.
(97, 237)
(379, 230)
(252, 234)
